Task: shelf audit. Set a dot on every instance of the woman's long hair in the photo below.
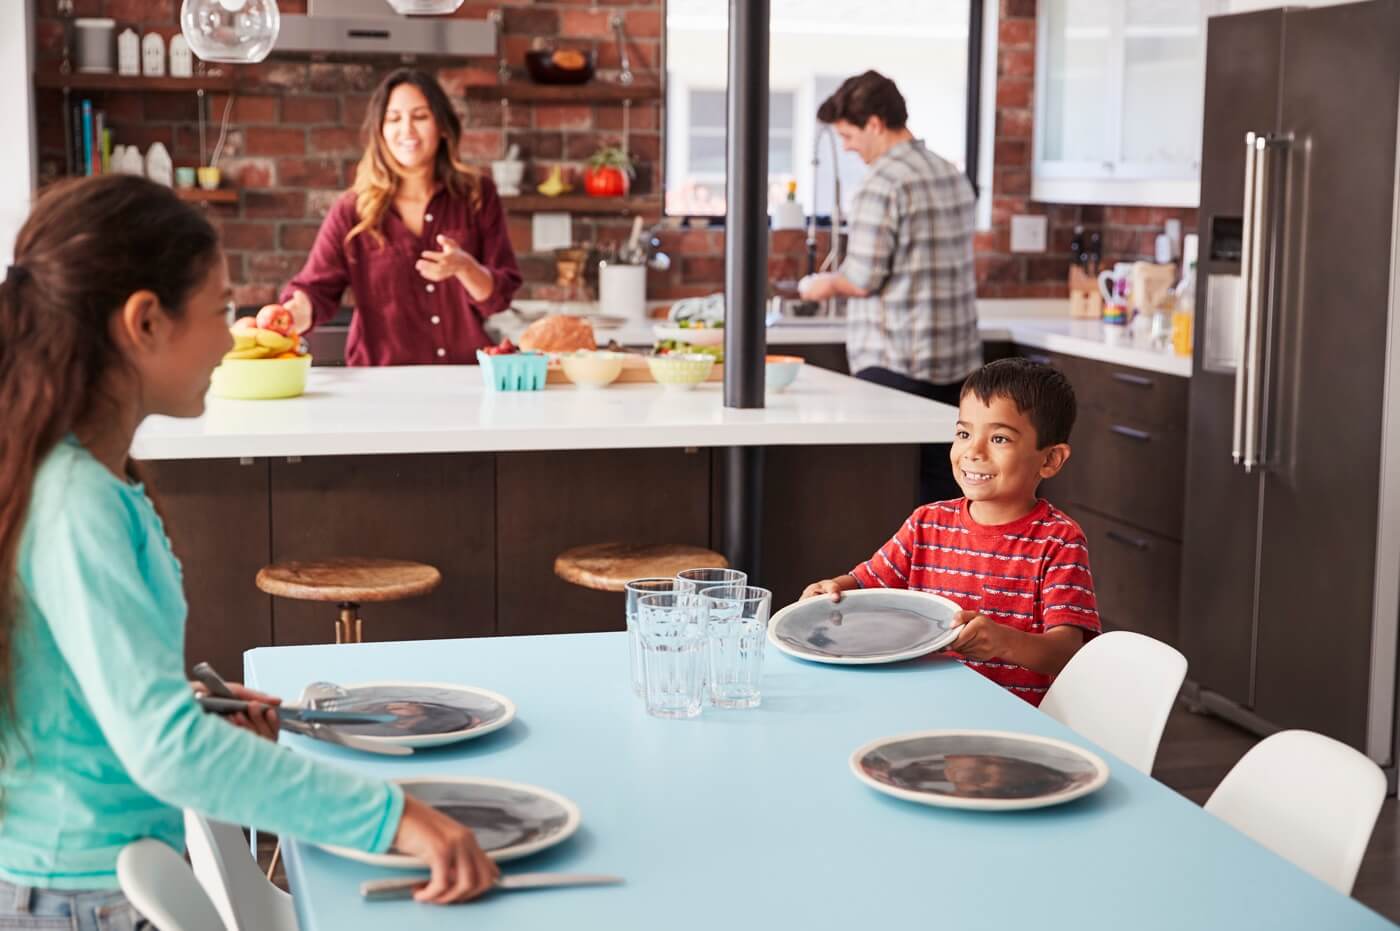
(377, 177)
(87, 246)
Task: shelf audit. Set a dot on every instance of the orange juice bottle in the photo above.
(1183, 317)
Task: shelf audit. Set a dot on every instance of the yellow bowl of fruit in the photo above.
(266, 361)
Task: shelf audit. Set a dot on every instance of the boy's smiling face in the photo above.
(997, 460)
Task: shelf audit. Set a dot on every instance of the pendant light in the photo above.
(424, 7)
(238, 32)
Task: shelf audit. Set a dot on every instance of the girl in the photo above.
(421, 239)
(115, 309)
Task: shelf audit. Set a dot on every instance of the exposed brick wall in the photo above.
(294, 135)
(294, 142)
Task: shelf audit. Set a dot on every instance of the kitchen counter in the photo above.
(1042, 323)
(446, 409)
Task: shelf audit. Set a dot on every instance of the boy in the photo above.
(1018, 565)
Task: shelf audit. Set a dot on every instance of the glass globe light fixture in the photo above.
(424, 7)
(237, 32)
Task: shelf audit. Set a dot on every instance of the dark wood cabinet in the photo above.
(434, 508)
(1125, 485)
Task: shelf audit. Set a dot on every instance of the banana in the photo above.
(255, 352)
(243, 339)
(273, 340)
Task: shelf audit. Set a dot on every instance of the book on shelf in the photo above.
(87, 138)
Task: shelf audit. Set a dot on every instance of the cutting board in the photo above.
(634, 371)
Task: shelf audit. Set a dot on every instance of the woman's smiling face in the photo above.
(410, 131)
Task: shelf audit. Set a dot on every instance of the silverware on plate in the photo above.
(403, 887)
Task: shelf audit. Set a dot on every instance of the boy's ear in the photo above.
(1055, 458)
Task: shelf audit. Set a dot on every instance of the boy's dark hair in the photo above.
(863, 96)
(1039, 391)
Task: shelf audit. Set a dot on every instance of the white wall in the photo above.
(17, 158)
(1245, 6)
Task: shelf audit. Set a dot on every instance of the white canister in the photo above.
(96, 49)
(622, 290)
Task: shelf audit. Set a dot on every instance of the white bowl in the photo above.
(592, 369)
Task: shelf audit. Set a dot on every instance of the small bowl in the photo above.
(543, 70)
(592, 369)
(260, 379)
(701, 336)
(781, 371)
(680, 372)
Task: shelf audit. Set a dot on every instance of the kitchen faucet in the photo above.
(832, 262)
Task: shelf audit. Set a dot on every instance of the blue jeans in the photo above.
(23, 908)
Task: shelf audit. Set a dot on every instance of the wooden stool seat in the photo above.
(609, 567)
(349, 582)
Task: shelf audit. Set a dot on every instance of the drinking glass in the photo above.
(672, 626)
(736, 633)
(635, 589)
(709, 578)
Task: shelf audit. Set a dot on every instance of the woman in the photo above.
(421, 239)
(115, 309)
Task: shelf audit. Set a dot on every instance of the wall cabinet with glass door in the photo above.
(1118, 96)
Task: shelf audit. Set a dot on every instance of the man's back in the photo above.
(911, 247)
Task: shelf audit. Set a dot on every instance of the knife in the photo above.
(403, 888)
(304, 715)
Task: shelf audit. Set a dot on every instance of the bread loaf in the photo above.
(558, 333)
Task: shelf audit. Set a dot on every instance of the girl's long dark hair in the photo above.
(87, 246)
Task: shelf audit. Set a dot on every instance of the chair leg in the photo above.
(349, 628)
(276, 854)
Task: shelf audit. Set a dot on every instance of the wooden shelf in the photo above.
(592, 92)
(197, 195)
(582, 203)
(126, 82)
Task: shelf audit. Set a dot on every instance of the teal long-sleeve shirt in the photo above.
(107, 744)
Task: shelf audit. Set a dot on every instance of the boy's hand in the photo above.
(981, 637)
(824, 587)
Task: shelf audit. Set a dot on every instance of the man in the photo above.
(908, 276)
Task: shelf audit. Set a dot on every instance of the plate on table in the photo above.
(429, 713)
(984, 770)
(878, 625)
(510, 819)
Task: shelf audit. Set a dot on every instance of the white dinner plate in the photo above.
(510, 819)
(983, 770)
(872, 625)
(430, 713)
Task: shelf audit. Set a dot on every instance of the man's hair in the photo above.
(1039, 391)
(863, 96)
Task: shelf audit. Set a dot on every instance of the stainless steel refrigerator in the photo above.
(1291, 559)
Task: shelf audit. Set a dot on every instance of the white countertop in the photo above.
(440, 409)
(1042, 323)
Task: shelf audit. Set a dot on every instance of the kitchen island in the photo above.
(423, 463)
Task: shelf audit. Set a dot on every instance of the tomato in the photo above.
(605, 182)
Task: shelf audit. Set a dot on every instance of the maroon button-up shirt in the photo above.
(402, 318)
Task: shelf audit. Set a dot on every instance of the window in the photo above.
(922, 45)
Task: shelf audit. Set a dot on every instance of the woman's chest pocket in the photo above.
(1010, 602)
(387, 269)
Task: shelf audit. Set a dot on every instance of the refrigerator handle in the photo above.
(1242, 313)
(1254, 340)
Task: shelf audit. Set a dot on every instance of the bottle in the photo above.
(787, 213)
(1184, 314)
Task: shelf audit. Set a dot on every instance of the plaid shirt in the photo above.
(910, 247)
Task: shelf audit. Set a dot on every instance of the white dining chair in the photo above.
(224, 865)
(158, 882)
(1308, 798)
(1118, 691)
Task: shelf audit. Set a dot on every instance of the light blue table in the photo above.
(752, 819)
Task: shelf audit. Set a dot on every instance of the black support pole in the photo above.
(746, 271)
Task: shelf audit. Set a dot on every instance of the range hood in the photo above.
(373, 26)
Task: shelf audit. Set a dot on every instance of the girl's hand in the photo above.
(452, 261)
(981, 637)
(461, 870)
(261, 716)
(824, 587)
(300, 306)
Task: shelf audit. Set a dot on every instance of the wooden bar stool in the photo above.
(609, 567)
(349, 582)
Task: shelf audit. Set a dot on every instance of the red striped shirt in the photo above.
(1031, 574)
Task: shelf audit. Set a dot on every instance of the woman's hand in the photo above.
(261, 716)
(300, 306)
(452, 261)
(461, 870)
